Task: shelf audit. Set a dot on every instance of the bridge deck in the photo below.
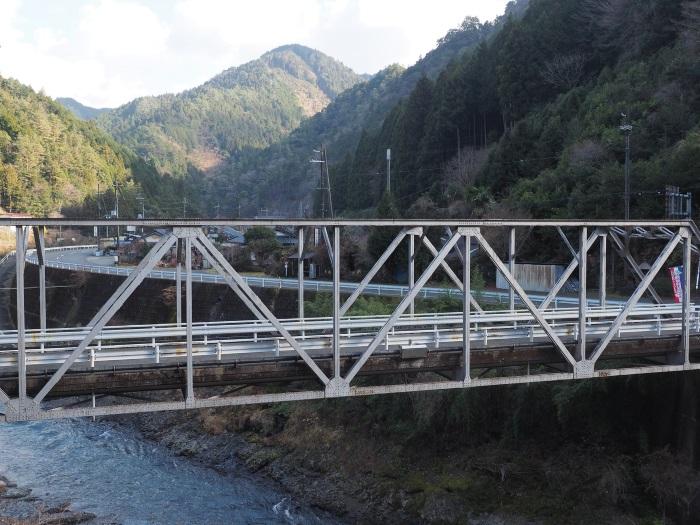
(346, 356)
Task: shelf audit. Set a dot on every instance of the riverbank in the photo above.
(19, 507)
(375, 460)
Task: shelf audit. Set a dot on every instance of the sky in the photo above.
(106, 52)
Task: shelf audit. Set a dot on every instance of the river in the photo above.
(125, 479)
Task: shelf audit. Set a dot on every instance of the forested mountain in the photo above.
(51, 161)
(80, 110)
(245, 107)
(281, 176)
(528, 122)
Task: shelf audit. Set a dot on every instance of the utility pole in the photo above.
(99, 214)
(143, 205)
(459, 152)
(116, 207)
(328, 182)
(116, 199)
(143, 209)
(184, 207)
(388, 170)
(626, 129)
(324, 185)
(217, 209)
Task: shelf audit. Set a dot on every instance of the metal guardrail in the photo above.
(386, 290)
(578, 336)
(230, 340)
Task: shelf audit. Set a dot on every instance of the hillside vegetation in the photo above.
(280, 176)
(250, 106)
(49, 159)
(527, 123)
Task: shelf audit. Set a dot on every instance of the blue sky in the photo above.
(107, 52)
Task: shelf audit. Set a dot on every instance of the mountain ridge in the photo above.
(80, 110)
(247, 106)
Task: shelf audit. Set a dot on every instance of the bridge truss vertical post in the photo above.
(582, 295)
(188, 313)
(300, 270)
(511, 267)
(411, 270)
(603, 268)
(687, 270)
(20, 251)
(178, 283)
(39, 243)
(336, 302)
(466, 310)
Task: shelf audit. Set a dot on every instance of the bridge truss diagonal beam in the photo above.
(264, 310)
(403, 305)
(373, 271)
(115, 302)
(525, 299)
(634, 298)
(327, 242)
(228, 279)
(450, 273)
(563, 236)
(620, 249)
(567, 274)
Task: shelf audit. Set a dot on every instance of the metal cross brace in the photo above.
(451, 274)
(525, 299)
(134, 279)
(403, 305)
(619, 248)
(373, 271)
(567, 273)
(634, 298)
(242, 286)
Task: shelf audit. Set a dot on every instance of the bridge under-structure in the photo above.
(100, 368)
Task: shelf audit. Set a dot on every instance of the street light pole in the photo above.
(626, 129)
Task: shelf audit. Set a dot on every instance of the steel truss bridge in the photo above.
(48, 373)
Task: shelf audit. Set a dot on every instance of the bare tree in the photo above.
(614, 23)
(464, 167)
(690, 24)
(564, 71)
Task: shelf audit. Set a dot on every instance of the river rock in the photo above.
(15, 493)
(8, 484)
(67, 518)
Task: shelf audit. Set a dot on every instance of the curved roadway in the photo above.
(80, 258)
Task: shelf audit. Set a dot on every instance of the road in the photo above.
(81, 258)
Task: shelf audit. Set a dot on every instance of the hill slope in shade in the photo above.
(80, 110)
(281, 177)
(528, 125)
(245, 107)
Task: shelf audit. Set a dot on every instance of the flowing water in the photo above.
(125, 479)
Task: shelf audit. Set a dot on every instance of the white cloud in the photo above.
(8, 32)
(106, 52)
(122, 29)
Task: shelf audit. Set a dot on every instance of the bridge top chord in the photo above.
(343, 355)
